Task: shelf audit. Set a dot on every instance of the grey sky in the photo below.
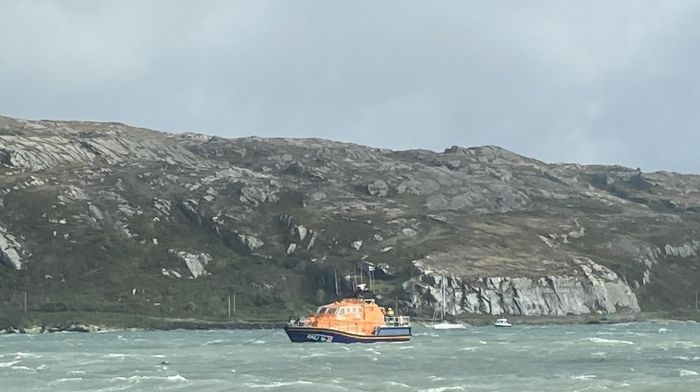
(576, 81)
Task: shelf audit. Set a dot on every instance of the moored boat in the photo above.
(444, 324)
(351, 320)
(502, 323)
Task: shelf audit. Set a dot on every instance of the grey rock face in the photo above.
(297, 234)
(95, 212)
(378, 188)
(194, 262)
(10, 250)
(256, 195)
(594, 289)
(685, 250)
(356, 245)
(250, 242)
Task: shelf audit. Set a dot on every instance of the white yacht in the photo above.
(502, 323)
(444, 324)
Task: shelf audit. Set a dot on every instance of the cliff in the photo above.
(104, 217)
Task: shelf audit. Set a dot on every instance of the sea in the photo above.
(646, 356)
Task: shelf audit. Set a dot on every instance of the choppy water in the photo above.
(627, 357)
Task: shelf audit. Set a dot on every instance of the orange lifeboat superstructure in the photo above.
(350, 320)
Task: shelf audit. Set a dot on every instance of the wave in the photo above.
(609, 341)
(21, 355)
(8, 364)
(62, 380)
(217, 341)
(177, 378)
(443, 389)
(115, 355)
(278, 384)
(686, 345)
(314, 355)
(138, 379)
(583, 377)
(396, 384)
(686, 373)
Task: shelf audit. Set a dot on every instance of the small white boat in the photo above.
(502, 323)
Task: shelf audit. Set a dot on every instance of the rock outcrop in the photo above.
(195, 264)
(592, 289)
(10, 250)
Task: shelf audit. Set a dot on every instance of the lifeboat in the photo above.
(351, 320)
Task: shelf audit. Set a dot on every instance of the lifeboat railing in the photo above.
(397, 321)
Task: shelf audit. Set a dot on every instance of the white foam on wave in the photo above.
(22, 368)
(8, 364)
(443, 389)
(138, 379)
(278, 384)
(406, 347)
(686, 373)
(21, 355)
(217, 341)
(609, 341)
(177, 378)
(583, 377)
(314, 355)
(115, 355)
(472, 349)
(685, 344)
(396, 384)
(62, 380)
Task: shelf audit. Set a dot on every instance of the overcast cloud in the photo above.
(615, 82)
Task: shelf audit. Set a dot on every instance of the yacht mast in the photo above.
(443, 297)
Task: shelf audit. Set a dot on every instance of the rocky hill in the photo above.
(104, 217)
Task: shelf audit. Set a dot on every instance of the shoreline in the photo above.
(96, 323)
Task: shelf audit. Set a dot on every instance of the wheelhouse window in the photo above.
(325, 310)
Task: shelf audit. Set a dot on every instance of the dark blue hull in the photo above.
(299, 334)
